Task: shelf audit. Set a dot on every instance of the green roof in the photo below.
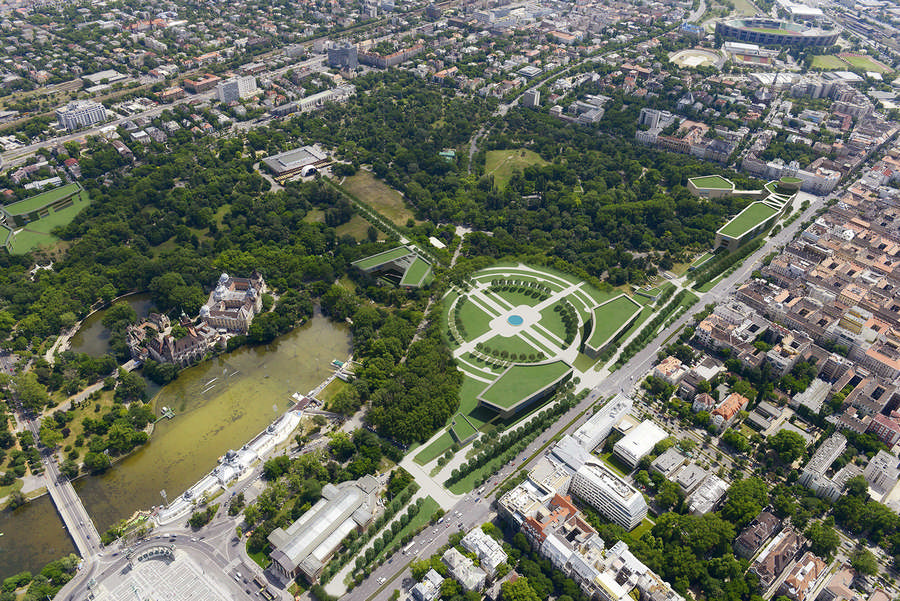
(748, 219)
(712, 181)
(520, 383)
(35, 203)
(609, 318)
(382, 258)
(416, 273)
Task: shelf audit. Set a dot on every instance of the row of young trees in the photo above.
(513, 442)
(649, 331)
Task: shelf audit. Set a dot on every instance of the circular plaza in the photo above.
(517, 331)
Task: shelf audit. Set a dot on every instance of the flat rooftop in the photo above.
(294, 159)
(747, 219)
(716, 182)
(520, 383)
(382, 258)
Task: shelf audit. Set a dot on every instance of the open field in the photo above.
(435, 449)
(461, 427)
(37, 233)
(747, 219)
(41, 200)
(379, 196)
(502, 163)
(693, 57)
(416, 274)
(356, 227)
(866, 63)
(744, 7)
(476, 321)
(702, 259)
(382, 257)
(770, 30)
(828, 62)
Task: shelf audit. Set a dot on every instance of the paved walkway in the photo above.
(530, 332)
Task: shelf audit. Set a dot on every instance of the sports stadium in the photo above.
(775, 32)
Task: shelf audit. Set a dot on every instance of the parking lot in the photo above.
(178, 579)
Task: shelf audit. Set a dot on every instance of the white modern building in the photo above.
(882, 473)
(488, 550)
(80, 113)
(236, 88)
(430, 587)
(815, 469)
(707, 495)
(595, 430)
(597, 485)
(464, 571)
(639, 442)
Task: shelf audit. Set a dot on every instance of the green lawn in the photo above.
(514, 298)
(710, 284)
(770, 30)
(584, 363)
(515, 344)
(468, 394)
(744, 7)
(37, 233)
(476, 321)
(747, 219)
(828, 62)
(712, 181)
(357, 227)
(34, 203)
(502, 163)
(645, 313)
(520, 381)
(609, 318)
(261, 558)
(643, 527)
(378, 195)
(446, 303)
(615, 464)
(517, 276)
(866, 63)
(702, 259)
(435, 449)
(462, 428)
(417, 273)
(689, 299)
(472, 359)
(552, 320)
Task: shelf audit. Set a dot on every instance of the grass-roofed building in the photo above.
(401, 266)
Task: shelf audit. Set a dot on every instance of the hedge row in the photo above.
(512, 443)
